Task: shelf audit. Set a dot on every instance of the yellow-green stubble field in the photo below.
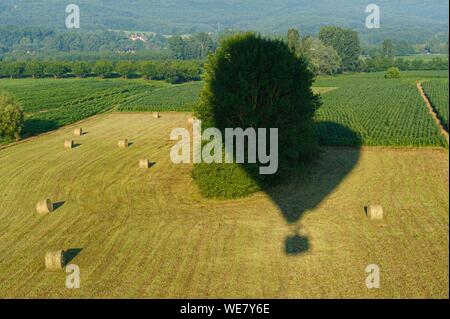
(149, 233)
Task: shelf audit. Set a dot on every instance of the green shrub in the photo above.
(224, 181)
(254, 82)
(11, 117)
(392, 73)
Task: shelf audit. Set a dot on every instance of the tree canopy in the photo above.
(345, 42)
(255, 82)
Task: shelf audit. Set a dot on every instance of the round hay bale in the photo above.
(375, 212)
(143, 163)
(78, 132)
(44, 206)
(156, 115)
(68, 144)
(123, 143)
(54, 260)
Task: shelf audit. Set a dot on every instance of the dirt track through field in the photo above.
(432, 111)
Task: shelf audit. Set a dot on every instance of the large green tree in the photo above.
(126, 68)
(148, 69)
(35, 69)
(205, 44)
(13, 69)
(347, 44)
(11, 117)
(254, 82)
(323, 59)
(299, 46)
(177, 46)
(81, 69)
(56, 69)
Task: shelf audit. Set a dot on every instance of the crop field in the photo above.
(360, 107)
(376, 111)
(149, 233)
(437, 93)
(181, 97)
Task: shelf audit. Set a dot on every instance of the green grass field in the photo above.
(437, 93)
(150, 233)
(377, 111)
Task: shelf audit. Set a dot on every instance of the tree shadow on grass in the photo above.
(305, 187)
(34, 126)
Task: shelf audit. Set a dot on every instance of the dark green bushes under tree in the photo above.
(322, 59)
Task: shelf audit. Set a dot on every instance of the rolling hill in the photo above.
(411, 20)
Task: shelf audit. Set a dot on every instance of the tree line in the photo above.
(382, 63)
(338, 50)
(334, 50)
(386, 56)
(26, 43)
(172, 71)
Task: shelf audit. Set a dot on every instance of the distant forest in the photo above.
(415, 21)
(330, 35)
(40, 52)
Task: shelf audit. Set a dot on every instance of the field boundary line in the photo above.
(432, 111)
(111, 111)
(114, 111)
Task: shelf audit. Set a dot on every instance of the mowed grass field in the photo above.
(149, 233)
